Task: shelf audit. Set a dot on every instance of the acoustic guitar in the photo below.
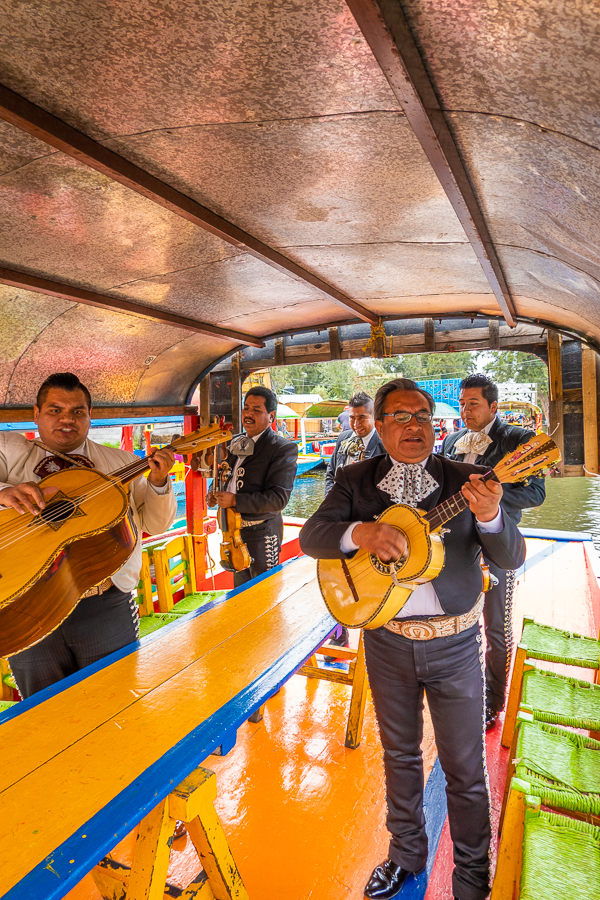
(364, 592)
(84, 535)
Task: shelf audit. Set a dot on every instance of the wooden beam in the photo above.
(25, 413)
(590, 414)
(555, 385)
(236, 393)
(91, 298)
(386, 31)
(36, 121)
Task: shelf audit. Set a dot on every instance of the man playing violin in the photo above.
(261, 481)
(106, 618)
(433, 646)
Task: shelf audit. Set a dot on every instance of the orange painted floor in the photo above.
(305, 816)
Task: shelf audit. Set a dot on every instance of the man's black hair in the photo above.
(361, 399)
(489, 390)
(399, 384)
(269, 396)
(64, 381)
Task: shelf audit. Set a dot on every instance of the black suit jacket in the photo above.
(355, 497)
(265, 479)
(505, 438)
(339, 458)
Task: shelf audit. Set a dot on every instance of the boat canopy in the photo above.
(181, 181)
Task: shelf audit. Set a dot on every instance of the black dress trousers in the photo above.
(450, 671)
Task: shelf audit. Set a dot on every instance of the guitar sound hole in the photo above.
(59, 511)
(384, 568)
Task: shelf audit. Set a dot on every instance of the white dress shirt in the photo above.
(471, 457)
(423, 601)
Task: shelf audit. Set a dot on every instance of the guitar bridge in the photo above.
(349, 581)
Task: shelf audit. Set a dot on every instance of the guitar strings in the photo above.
(130, 471)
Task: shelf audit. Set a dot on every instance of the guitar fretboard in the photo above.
(451, 507)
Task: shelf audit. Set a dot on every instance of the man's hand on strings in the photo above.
(483, 496)
(161, 463)
(383, 540)
(26, 497)
(224, 499)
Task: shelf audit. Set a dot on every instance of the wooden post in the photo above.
(195, 509)
(510, 851)
(357, 699)
(590, 417)
(204, 401)
(429, 335)
(335, 350)
(236, 394)
(279, 352)
(556, 391)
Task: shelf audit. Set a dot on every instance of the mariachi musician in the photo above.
(106, 617)
(359, 442)
(262, 467)
(484, 442)
(434, 644)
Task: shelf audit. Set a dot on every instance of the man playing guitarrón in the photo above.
(434, 644)
(106, 618)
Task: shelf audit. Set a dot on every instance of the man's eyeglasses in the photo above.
(403, 418)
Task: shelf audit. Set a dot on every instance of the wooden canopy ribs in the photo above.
(43, 125)
(91, 298)
(386, 30)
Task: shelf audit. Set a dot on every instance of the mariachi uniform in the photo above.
(350, 448)
(108, 619)
(433, 646)
(262, 479)
(487, 448)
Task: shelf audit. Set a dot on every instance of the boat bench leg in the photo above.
(358, 698)
(192, 802)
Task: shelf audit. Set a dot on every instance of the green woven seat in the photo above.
(544, 855)
(561, 701)
(562, 767)
(6, 704)
(561, 859)
(151, 623)
(194, 601)
(552, 645)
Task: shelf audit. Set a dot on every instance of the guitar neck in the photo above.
(451, 507)
(130, 472)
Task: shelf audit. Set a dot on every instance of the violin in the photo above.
(234, 552)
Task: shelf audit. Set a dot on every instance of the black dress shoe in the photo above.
(491, 717)
(385, 881)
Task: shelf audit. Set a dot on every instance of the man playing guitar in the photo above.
(106, 618)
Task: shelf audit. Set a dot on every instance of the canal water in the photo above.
(572, 504)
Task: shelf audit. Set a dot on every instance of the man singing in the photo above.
(405, 660)
(484, 442)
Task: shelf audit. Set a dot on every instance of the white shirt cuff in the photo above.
(494, 527)
(160, 490)
(347, 545)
